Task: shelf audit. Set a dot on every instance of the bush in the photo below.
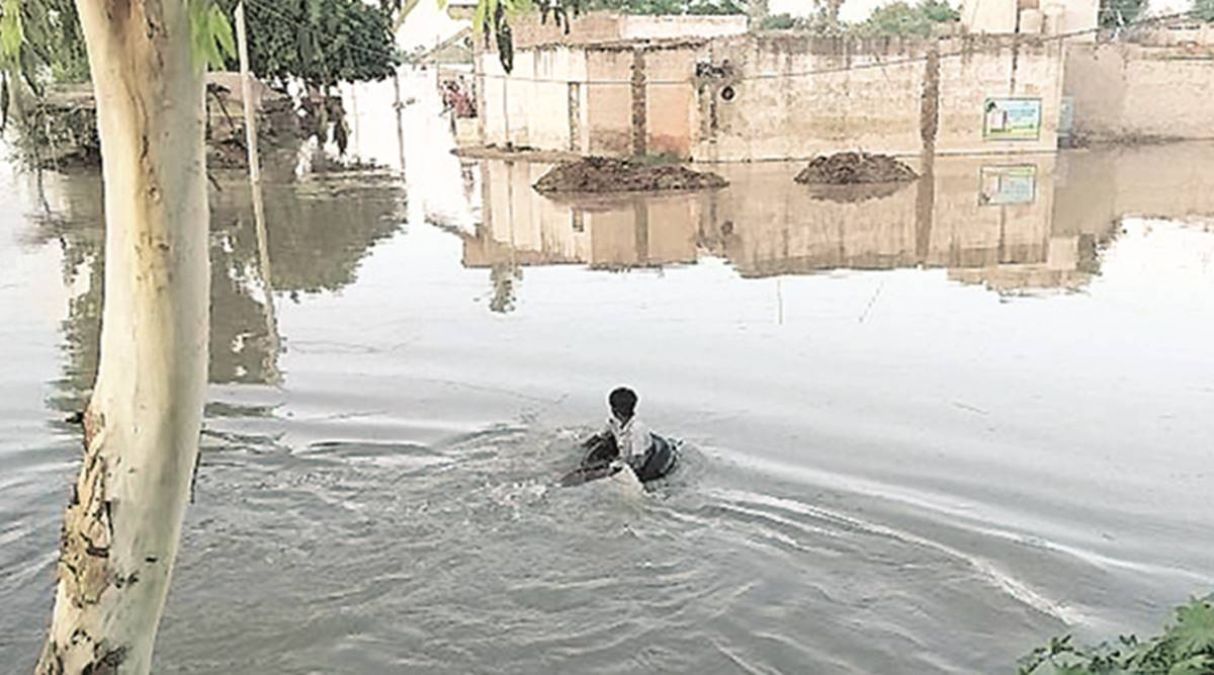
(1120, 13)
(900, 18)
(321, 42)
(1185, 648)
(1204, 10)
(778, 22)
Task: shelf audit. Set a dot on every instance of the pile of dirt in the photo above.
(854, 168)
(602, 174)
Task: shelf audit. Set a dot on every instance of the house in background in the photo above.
(1076, 19)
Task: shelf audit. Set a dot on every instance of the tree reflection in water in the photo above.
(319, 229)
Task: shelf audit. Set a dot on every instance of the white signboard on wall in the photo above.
(1011, 119)
(1003, 185)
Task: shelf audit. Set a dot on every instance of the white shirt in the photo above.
(632, 438)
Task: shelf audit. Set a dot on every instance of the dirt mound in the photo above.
(854, 168)
(602, 174)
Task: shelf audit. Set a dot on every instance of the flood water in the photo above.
(925, 429)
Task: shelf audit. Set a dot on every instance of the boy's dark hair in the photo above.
(623, 400)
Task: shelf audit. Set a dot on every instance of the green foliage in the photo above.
(19, 60)
(12, 32)
(1120, 13)
(492, 20)
(41, 41)
(939, 11)
(897, 19)
(41, 38)
(321, 42)
(1203, 10)
(778, 22)
(1185, 648)
(210, 34)
(37, 34)
(660, 7)
(902, 19)
(395, 7)
(22, 24)
(64, 41)
(1194, 629)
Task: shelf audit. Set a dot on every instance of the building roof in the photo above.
(453, 50)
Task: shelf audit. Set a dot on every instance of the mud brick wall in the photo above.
(1141, 93)
(796, 96)
(761, 97)
(531, 106)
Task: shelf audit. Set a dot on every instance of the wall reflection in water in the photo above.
(1017, 224)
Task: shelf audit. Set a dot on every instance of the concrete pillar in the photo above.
(639, 91)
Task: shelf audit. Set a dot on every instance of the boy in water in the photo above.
(627, 440)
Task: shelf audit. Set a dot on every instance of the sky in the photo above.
(427, 26)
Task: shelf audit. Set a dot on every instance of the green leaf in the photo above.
(1194, 665)
(221, 30)
(1185, 648)
(479, 16)
(12, 32)
(1194, 632)
(1203, 10)
(210, 34)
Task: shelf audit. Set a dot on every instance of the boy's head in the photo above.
(623, 402)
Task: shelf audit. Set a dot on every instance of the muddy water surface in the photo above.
(919, 439)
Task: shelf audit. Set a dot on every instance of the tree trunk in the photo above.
(123, 522)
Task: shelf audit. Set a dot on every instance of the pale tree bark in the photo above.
(123, 522)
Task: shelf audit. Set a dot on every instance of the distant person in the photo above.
(628, 441)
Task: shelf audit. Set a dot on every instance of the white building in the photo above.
(1076, 18)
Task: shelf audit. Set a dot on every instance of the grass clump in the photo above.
(1186, 647)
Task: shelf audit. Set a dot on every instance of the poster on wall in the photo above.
(1003, 185)
(1011, 119)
